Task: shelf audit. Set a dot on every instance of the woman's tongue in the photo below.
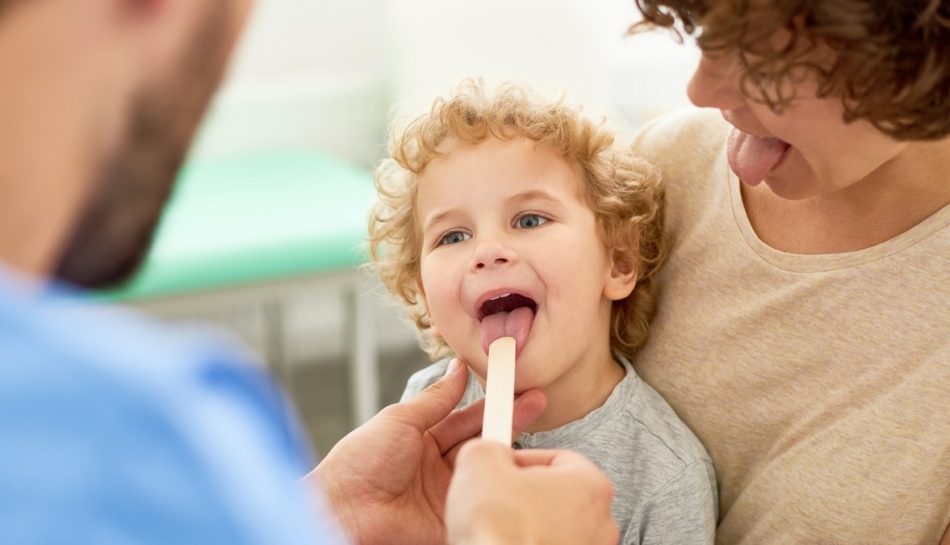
(516, 323)
(753, 157)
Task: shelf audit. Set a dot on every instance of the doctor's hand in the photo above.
(499, 497)
(387, 480)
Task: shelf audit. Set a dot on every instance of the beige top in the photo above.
(819, 384)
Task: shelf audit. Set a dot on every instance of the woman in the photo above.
(803, 329)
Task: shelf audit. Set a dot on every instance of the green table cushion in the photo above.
(256, 218)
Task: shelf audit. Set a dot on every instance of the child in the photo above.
(506, 215)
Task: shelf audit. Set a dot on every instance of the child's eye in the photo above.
(454, 237)
(528, 221)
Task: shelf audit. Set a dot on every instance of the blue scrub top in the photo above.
(115, 429)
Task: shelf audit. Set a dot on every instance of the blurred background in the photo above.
(262, 236)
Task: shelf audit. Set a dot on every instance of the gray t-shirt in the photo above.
(664, 483)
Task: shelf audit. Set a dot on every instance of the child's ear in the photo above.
(433, 330)
(623, 276)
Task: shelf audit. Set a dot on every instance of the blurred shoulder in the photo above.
(682, 133)
(176, 432)
(62, 342)
(688, 148)
(684, 144)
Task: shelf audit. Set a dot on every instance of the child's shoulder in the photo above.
(662, 475)
(659, 423)
(422, 379)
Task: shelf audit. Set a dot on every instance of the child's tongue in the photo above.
(516, 323)
(753, 157)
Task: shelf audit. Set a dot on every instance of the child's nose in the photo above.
(715, 83)
(490, 254)
(498, 261)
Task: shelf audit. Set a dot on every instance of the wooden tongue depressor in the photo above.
(499, 391)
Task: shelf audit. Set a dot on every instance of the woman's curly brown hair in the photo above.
(622, 190)
(890, 61)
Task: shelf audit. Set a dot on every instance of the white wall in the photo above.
(308, 74)
(553, 44)
(573, 46)
(325, 74)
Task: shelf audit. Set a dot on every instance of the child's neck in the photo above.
(580, 391)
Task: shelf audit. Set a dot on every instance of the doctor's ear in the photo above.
(160, 34)
(143, 7)
(155, 32)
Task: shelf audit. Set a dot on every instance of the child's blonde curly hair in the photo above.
(623, 191)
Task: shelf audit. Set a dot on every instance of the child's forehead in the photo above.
(523, 147)
(503, 172)
(509, 156)
(453, 144)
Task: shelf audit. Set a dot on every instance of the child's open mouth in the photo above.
(508, 315)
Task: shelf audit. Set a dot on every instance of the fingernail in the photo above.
(454, 364)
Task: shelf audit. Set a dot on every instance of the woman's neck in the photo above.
(894, 199)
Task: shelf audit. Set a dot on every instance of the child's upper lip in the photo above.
(498, 292)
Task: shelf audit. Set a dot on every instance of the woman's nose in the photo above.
(715, 83)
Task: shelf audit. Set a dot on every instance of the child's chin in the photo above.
(524, 383)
